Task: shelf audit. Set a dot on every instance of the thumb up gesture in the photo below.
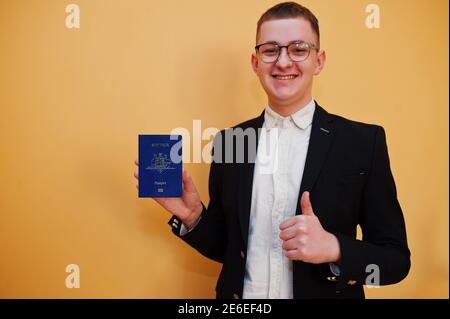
(305, 239)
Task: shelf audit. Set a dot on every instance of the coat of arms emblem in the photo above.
(160, 162)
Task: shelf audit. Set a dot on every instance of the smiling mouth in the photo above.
(285, 77)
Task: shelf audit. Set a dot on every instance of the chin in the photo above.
(284, 95)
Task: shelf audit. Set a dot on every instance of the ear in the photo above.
(320, 62)
(254, 62)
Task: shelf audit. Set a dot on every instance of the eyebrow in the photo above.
(293, 41)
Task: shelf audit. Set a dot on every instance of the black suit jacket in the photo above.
(348, 175)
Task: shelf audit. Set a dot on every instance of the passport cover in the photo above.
(160, 174)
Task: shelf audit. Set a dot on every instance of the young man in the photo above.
(291, 233)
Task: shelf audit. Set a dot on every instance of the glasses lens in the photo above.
(269, 52)
(298, 51)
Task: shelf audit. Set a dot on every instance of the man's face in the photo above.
(296, 89)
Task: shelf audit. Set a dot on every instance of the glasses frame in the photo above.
(310, 46)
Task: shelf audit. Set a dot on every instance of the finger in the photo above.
(288, 223)
(167, 204)
(163, 201)
(136, 175)
(188, 183)
(291, 244)
(288, 233)
(298, 229)
(137, 186)
(136, 162)
(305, 204)
(291, 254)
(160, 200)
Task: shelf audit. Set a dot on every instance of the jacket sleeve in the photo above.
(209, 235)
(383, 249)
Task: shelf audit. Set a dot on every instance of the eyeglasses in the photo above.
(297, 51)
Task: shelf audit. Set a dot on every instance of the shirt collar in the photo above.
(302, 118)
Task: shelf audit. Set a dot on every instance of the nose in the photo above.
(284, 60)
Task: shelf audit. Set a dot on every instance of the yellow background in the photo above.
(73, 102)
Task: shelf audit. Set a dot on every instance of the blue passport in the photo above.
(160, 166)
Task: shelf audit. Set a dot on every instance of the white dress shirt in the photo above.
(278, 172)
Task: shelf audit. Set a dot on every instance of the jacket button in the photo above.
(242, 254)
(235, 296)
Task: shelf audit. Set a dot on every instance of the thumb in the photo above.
(305, 204)
(188, 183)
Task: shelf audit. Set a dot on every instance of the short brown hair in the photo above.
(286, 10)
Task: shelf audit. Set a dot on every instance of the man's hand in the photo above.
(306, 240)
(188, 207)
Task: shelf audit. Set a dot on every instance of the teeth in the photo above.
(285, 77)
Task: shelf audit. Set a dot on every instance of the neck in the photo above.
(286, 108)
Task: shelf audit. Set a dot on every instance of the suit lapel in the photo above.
(322, 135)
